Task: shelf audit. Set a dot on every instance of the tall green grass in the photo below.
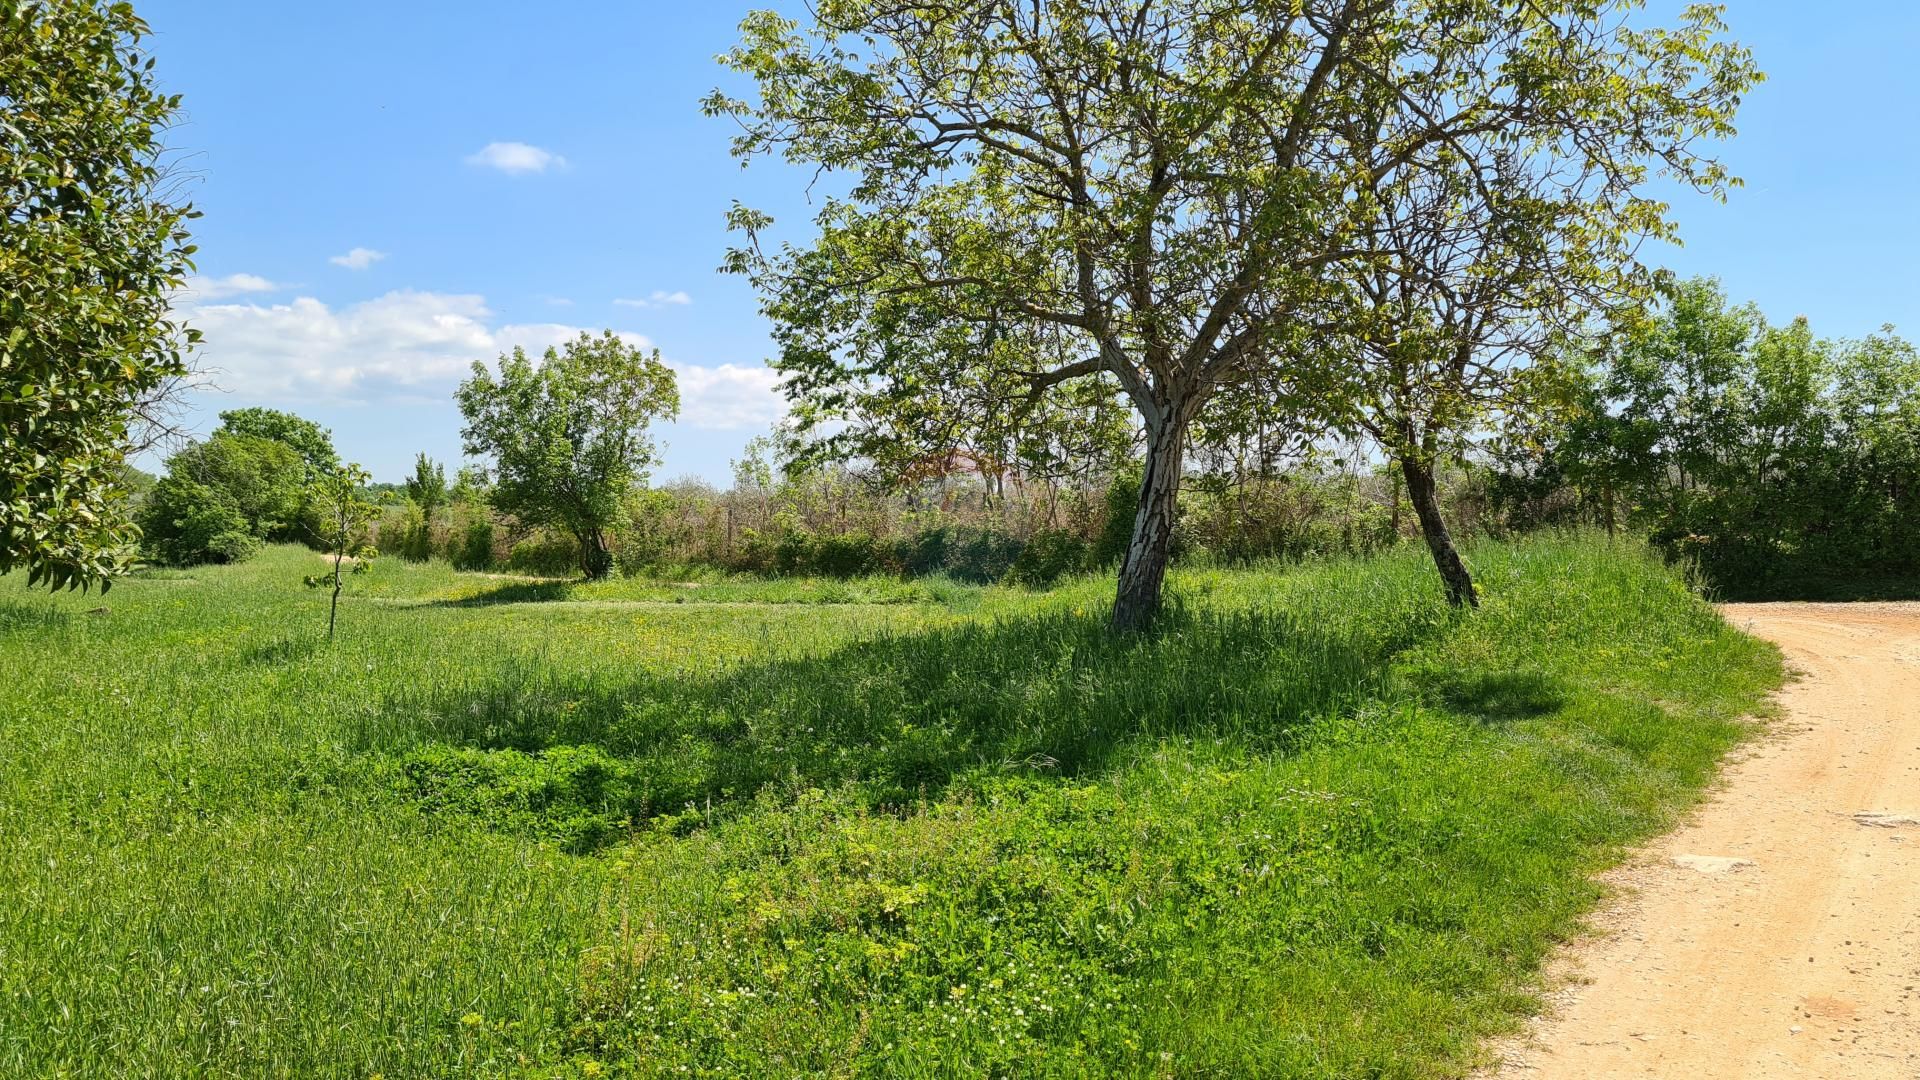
(1316, 825)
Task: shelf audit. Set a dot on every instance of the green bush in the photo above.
(475, 550)
(973, 555)
(221, 490)
(404, 533)
(980, 555)
(845, 555)
(188, 523)
(417, 545)
(1048, 556)
(547, 554)
(1116, 531)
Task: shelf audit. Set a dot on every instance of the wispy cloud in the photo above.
(358, 259)
(660, 299)
(409, 346)
(515, 158)
(204, 288)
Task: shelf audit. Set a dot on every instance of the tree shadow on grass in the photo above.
(1500, 697)
(512, 592)
(902, 716)
(283, 650)
(17, 618)
(1821, 588)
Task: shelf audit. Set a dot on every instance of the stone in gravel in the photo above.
(1887, 819)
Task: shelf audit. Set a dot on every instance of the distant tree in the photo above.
(470, 486)
(138, 484)
(568, 436)
(313, 442)
(1762, 453)
(1161, 194)
(427, 487)
(337, 496)
(187, 523)
(92, 245)
(221, 498)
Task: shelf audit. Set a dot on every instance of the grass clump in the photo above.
(579, 797)
(1316, 825)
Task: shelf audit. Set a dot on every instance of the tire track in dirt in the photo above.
(1777, 932)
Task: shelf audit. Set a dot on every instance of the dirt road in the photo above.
(1777, 934)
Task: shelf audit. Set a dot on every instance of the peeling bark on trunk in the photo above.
(1422, 492)
(1144, 568)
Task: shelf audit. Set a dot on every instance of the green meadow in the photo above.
(1316, 824)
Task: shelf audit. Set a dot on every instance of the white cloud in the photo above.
(516, 157)
(729, 396)
(410, 346)
(203, 288)
(660, 299)
(358, 259)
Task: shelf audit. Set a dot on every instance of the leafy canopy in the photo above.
(92, 244)
(1168, 197)
(313, 442)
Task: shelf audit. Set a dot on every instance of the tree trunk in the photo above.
(1422, 492)
(1394, 483)
(1144, 567)
(596, 554)
(333, 607)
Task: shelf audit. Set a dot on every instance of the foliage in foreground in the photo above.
(93, 244)
(1316, 827)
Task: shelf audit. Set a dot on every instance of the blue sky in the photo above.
(315, 131)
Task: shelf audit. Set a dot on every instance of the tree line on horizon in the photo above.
(1772, 459)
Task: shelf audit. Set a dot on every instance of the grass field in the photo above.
(1317, 826)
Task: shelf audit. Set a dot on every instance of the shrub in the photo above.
(1048, 556)
(403, 532)
(977, 556)
(847, 555)
(417, 544)
(187, 523)
(547, 554)
(475, 550)
(1123, 502)
(925, 552)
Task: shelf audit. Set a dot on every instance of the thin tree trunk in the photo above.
(333, 608)
(1144, 567)
(1394, 483)
(1422, 492)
